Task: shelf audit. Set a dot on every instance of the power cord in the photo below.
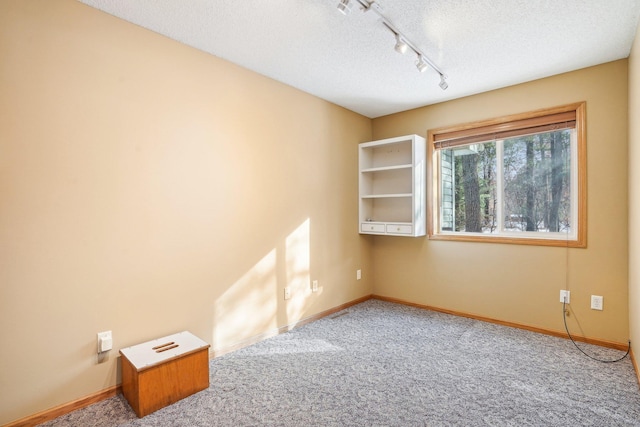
(564, 317)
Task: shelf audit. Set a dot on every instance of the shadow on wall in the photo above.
(255, 304)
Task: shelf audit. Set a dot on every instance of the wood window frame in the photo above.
(485, 130)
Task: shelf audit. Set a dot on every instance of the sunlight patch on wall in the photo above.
(248, 307)
(298, 274)
(255, 304)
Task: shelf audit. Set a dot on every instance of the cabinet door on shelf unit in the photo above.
(368, 227)
(405, 229)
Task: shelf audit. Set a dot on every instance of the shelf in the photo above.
(386, 196)
(392, 186)
(386, 168)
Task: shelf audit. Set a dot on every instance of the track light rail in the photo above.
(402, 42)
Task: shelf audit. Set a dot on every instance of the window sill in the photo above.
(504, 239)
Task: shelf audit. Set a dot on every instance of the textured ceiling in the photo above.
(350, 60)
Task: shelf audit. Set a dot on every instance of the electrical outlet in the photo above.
(358, 274)
(314, 286)
(287, 292)
(596, 302)
(105, 341)
(565, 296)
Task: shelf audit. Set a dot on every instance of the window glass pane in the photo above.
(468, 193)
(536, 176)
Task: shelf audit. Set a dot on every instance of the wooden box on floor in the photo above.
(158, 373)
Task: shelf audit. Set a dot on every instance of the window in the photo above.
(517, 179)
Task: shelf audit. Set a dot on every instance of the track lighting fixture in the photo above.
(443, 82)
(402, 43)
(421, 64)
(344, 7)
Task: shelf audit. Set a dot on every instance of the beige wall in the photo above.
(148, 188)
(517, 283)
(634, 195)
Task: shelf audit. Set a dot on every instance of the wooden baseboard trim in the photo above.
(65, 408)
(560, 334)
(281, 330)
(635, 365)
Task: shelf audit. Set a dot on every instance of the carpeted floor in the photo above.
(383, 364)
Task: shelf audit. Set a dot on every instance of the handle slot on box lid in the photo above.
(165, 347)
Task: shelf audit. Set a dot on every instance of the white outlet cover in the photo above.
(596, 302)
(105, 341)
(565, 296)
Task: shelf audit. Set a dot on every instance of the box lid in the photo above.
(160, 350)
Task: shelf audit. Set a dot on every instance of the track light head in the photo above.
(421, 64)
(401, 44)
(344, 7)
(443, 82)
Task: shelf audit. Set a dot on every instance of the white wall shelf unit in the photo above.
(392, 174)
